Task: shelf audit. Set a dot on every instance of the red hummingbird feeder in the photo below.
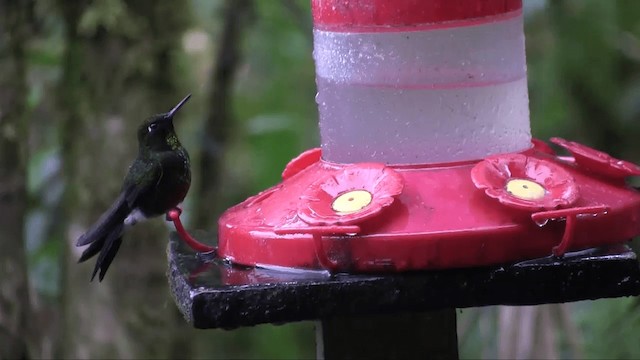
(427, 160)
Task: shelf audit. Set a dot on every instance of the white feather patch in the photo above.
(135, 217)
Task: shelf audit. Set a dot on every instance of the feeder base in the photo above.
(213, 294)
(372, 218)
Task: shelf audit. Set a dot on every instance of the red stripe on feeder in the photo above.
(388, 15)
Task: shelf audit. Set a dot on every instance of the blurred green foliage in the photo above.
(609, 328)
(584, 81)
(275, 94)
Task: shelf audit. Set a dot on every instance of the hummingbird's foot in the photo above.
(173, 213)
(174, 216)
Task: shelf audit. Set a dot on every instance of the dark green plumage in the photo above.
(157, 181)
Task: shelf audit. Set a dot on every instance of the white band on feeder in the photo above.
(439, 94)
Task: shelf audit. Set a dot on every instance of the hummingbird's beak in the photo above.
(175, 109)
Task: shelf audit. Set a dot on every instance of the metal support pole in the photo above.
(430, 335)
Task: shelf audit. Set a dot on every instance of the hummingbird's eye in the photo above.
(152, 127)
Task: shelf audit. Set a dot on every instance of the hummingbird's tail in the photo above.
(105, 237)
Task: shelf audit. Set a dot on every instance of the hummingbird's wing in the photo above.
(105, 236)
(139, 180)
(142, 178)
(116, 213)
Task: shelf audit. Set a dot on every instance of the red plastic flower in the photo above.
(351, 195)
(301, 162)
(524, 182)
(597, 161)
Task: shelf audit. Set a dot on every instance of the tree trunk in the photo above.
(120, 66)
(14, 288)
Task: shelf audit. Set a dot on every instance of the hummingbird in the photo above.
(157, 181)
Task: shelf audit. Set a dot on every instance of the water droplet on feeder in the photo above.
(542, 223)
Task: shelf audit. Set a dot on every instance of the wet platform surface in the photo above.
(213, 294)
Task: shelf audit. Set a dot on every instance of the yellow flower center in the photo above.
(525, 189)
(351, 201)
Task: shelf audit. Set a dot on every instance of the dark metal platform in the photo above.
(212, 294)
